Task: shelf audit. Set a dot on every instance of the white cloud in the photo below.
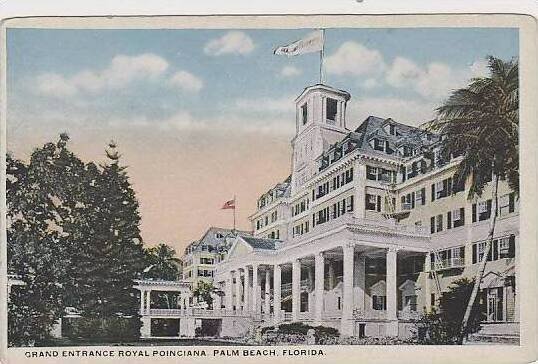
(370, 83)
(121, 71)
(355, 59)
(406, 110)
(290, 71)
(435, 80)
(186, 81)
(233, 42)
(479, 68)
(54, 84)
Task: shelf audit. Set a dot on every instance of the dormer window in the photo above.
(331, 109)
(392, 129)
(304, 113)
(379, 145)
(219, 235)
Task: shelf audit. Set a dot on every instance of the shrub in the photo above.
(443, 326)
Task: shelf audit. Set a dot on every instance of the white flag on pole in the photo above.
(311, 43)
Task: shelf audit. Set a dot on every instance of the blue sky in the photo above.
(165, 94)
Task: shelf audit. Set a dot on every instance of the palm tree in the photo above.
(481, 122)
(163, 263)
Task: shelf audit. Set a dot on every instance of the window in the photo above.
(219, 235)
(331, 109)
(371, 173)
(379, 303)
(506, 204)
(482, 210)
(500, 248)
(420, 197)
(436, 224)
(304, 113)
(458, 217)
(371, 202)
(442, 189)
(379, 145)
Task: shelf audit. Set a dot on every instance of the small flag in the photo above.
(229, 205)
(311, 43)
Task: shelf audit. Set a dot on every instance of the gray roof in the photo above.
(373, 126)
(210, 237)
(261, 243)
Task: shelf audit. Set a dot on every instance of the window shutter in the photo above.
(432, 224)
(403, 201)
(495, 248)
(512, 247)
(475, 253)
(412, 200)
(423, 196)
(449, 220)
(488, 202)
(511, 203)
(445, 188)
(462, 215)
(433, 191)
(449, 186)
(474, 212)
(378, 203)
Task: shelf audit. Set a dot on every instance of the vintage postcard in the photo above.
(269, 188)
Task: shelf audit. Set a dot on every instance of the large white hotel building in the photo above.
(368, 231)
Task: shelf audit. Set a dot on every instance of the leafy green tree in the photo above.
(162, 263)
(443, 326)
(481, 121)
(39, 197)
(205, 292)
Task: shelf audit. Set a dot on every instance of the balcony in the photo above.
(369, 224)
(449, 263)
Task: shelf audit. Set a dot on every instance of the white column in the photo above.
(267, 291)
(347, 309)
(148, 300)
(142, 293)
(229, 292)
(359, 180)
(319, 286)
(246, 288)
(392, 304)
(238, 290)
(295, 289)
(277, 287)
(428, 287)
(517, 279)
(255, 291)
(360, 282)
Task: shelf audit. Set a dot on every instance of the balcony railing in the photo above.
(350, 219)
(455, 262)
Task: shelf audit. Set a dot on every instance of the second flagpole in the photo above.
(321, 55)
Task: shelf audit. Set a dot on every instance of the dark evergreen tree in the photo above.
(115, 256)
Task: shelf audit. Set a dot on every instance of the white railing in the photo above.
(456, 262)
(349, 219)
(195, 312)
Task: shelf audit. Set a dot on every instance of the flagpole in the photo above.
(235, 205)
(321, 55)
